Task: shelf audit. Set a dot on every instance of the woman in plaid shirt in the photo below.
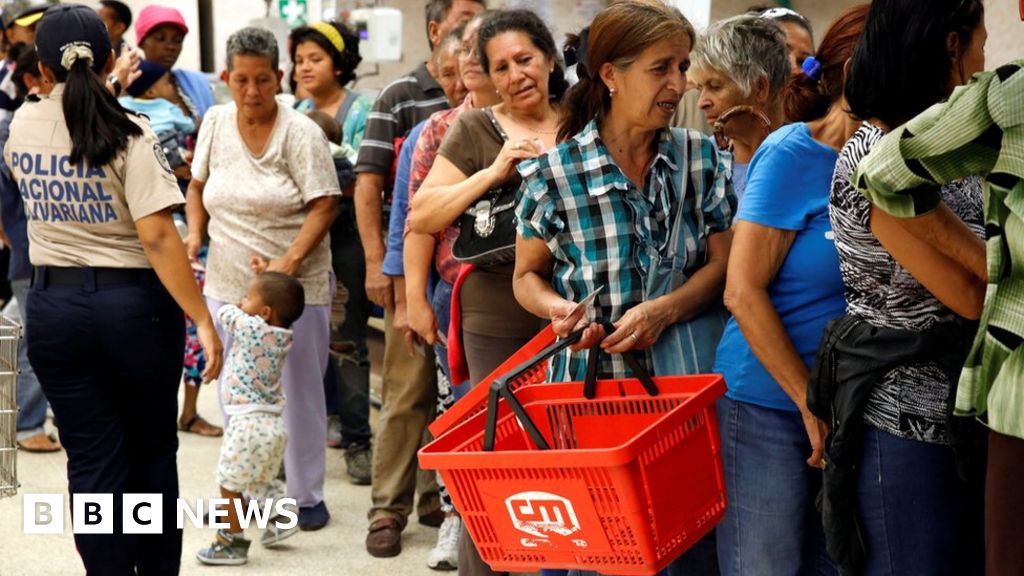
(600, 208)
(597, 210)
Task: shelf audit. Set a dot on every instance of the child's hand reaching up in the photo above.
(259, 265)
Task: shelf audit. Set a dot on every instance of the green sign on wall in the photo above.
(292, 11)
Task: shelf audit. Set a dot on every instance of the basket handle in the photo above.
(499, 388)
(639, 372)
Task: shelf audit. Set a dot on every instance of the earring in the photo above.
(611, 91)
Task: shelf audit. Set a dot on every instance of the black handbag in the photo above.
(487, 229)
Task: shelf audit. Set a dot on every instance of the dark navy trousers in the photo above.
(108, 357)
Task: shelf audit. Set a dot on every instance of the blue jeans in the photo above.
(771, 526)
(31, 402)
(918, 517)
(441, 303)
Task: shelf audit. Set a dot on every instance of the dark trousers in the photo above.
(483, 355)
(109, 361)
(1004, 506)
(347, 382)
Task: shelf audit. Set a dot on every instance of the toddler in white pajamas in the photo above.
(255, 437)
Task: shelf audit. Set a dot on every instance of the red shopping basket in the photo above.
(629, 482)
(530, 362)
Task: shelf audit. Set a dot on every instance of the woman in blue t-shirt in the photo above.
(783, 285)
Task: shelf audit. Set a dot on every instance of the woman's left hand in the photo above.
(639, 328)
(284, 265)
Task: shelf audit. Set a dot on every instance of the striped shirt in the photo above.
(423, 158)
(979, 131)
(910, 400)
(404, 103)
(602, 230)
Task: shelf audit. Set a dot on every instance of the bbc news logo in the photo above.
(144, 513)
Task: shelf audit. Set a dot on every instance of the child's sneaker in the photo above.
(273, 535)
(227, 549)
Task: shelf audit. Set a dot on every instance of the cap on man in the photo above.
(20, 18)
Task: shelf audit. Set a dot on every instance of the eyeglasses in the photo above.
(780, 12)
(722, 139)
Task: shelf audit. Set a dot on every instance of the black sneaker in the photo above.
(314, 517)
(359, 463)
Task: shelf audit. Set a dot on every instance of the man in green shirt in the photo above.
(979, 131)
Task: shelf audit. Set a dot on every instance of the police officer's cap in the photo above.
(72, 27)
(25, 12)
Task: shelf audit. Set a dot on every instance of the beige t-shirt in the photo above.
(81, 215)
(257, 204)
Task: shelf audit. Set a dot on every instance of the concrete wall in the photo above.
(1005, 42)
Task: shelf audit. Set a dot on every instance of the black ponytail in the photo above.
(98, 125)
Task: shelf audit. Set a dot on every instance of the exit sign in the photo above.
(292, 11)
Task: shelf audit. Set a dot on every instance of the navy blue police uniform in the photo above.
(104, 335)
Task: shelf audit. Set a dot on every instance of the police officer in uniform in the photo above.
(104, 314)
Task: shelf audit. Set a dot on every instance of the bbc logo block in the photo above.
(43, 514)
(145, 513)
(93, 514)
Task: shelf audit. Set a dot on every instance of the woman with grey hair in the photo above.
(264, 188)
(783, 285)
(740, 65)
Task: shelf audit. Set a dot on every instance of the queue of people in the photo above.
(836, 238)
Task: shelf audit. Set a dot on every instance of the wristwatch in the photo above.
(115, 83)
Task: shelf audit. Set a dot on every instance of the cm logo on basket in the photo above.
(543, 515)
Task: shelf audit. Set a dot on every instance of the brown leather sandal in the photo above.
(40, 443)
(198, 425)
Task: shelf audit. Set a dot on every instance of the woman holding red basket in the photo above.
(605, 210)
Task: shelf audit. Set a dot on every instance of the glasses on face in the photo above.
(722, 140)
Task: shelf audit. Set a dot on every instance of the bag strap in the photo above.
(494, 122)
(679, 180)
(681, 152)
(346, 105)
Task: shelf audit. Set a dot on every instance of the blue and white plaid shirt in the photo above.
(602, 230)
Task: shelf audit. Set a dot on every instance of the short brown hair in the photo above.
(284, 294)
